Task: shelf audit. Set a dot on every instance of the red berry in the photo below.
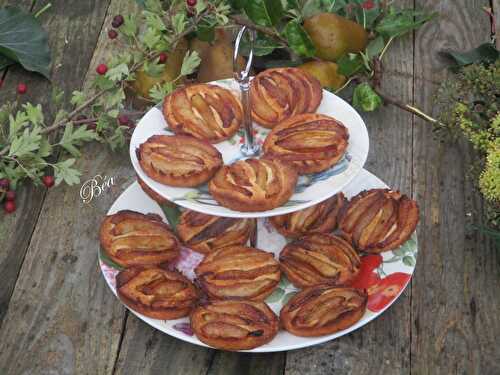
(48, 181)
(10, 195)
(22, 88)
(123, 119)
(101, 69)
(112, 34)
(191, 3)
(368, 4)
(9, 206)
(117, 21)
(4, 184)
(162, 58)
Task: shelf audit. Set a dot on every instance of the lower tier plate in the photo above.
(385, 276)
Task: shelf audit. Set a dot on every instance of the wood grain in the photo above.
(71, 50)
(455, 289)
(383, 346)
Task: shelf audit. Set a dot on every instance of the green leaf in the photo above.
(72, 138)
(205, 32)
(365, 98)
(153, 6)
(118, 72)
(313, 7)
(16, 124)
(23, 39)
(159, 91)
(130, 25)
(298, 39)
(77, 98)
(108, 261)
(34, 114)
(409, 261)
(237, 4)
(63, 171)
(117, 140)
(45, 148)
(350, 64)
(179, 22)
(28, 142)
(103, 82)
(5, 62)
(190, 63)
(263, 45)
(115, 97)
(399, 22)
(375, 47)
(113, 113)
(485, 53)
(153, 69)
(275, 296)
(57, 95)
(172, 213)
(264, 12)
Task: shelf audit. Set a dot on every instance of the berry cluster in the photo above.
(9, 196)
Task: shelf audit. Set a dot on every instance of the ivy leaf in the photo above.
(159, 91)
(190, 63)
(299, 40)
(23, 39)
(264, 12)
(350, 64)
(375, 47)
(28, 142)
(485, 53)
(64, 171)
(365, 98)
(399, 22)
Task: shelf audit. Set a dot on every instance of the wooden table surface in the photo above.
(57, 316)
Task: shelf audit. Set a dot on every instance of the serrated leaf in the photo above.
(25, 144)
(16, 124)
(264, 12)
(153, 6)
(113, 113)
(151, 38)
(118, 72)
(179, 22)
(34, 113)
(298, 39)
(172, 213)
(64, 171)
(77, 98)
(23, 39)
(365, 98)
(190, 62)
(159, 91)
(129, 26)
(45, 148)
(72, 138)
(117, 140)
(115, 97)
(103, 82)
(57, 95)
(153, 69)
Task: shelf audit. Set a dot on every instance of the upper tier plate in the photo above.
(310, 189)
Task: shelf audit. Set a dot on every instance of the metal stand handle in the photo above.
(249, 148)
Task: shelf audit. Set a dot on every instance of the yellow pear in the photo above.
(334, 36)
(326, 72)
(144, 82)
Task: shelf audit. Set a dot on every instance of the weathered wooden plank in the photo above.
(383, 346)
(455, 291)
(247, 363)
(71, 51)
(146, 350)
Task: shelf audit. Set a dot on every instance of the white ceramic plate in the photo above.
(311, 189)
(384, 276)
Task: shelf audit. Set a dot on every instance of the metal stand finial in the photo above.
(249, 148)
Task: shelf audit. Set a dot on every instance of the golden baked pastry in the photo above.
(379, 220)
(130, 239)
(234, 325)
(319, 258)
(179, 160)
(323, 310)
(151, 193)
(310, 141)
(203, 111)
(279, 93)
(238, 272)
(320, 218)
(206, 233)
(253, 185)
(156, 292)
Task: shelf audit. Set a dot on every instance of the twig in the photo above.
(262, 29)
